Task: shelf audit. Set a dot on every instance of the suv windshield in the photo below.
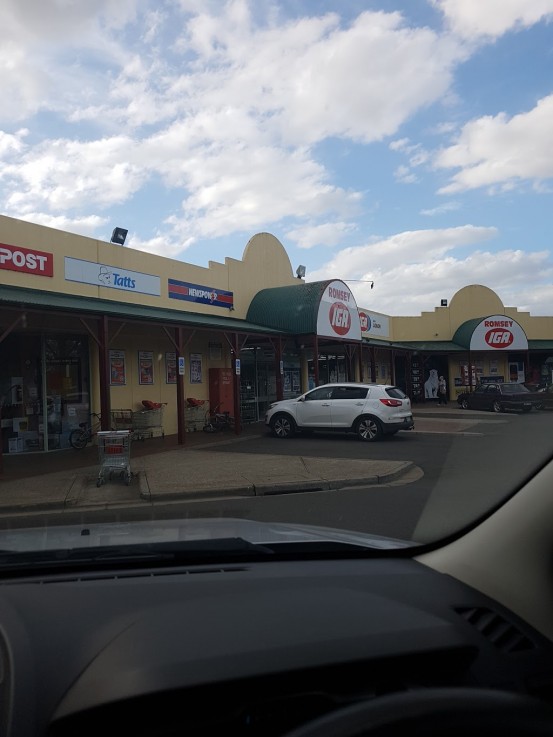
(271, 271)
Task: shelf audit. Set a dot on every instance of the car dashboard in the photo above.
(258, 648)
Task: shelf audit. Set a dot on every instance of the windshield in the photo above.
(210, 210)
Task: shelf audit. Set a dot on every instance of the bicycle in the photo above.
(216, 421)
(82, 435)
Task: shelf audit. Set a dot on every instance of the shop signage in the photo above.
(498, 333)
(200, 294)
(374, 323)
(26, 260)
(338, 316)
(102, 275)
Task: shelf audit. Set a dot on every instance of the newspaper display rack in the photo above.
(114, 449)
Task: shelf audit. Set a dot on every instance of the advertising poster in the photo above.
(195, 368)
(117, 368)
(145, 367)
(170, 368)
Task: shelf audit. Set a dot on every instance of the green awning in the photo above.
(433, 346)
(124, 310)
(291, 309)
(464, 332)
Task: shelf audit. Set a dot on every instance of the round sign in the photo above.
(365, 322)
(499, 338)
(339, 318)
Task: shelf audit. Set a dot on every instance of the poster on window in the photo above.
(117, 368)
(195, 368)
(170, 368)
(145, 367)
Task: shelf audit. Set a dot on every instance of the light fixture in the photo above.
(300, 271)
(118, 236)
(444, 303)
(364, 281)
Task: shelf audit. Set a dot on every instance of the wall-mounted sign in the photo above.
(145, 367)
(117, 368)
(170, 368)
(102, 275)
(181, 366)
(373, 323)
(498, 333)
(199, 294)
(237, 366)
(338, 316)
(26, 260)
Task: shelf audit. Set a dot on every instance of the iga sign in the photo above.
(26, 260)
(374, 323)
(338, 316)
(498, 333)
(102, 275)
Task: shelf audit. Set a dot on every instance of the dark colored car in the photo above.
(543, 394)
(499, 398)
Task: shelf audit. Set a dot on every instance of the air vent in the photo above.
(494, 627)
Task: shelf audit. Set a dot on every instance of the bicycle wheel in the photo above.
(79, 438)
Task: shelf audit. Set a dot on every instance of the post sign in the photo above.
(181, 365)
(338, 316)
(26, 260)
(237, 367)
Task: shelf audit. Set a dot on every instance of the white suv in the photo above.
(370, 410)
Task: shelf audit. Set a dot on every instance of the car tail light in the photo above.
(392, 402)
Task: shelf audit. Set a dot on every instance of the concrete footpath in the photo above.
(163, 471)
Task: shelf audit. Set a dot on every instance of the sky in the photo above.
(407, 143)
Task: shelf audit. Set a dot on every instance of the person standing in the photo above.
(442, 391)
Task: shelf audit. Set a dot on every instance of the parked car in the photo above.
(543, 395)
(370, 410)
(499, 397)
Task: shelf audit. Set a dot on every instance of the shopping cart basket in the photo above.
(114, 447)
(147, 423)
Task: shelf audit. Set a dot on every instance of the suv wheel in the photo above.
(283, 426)
(368, 428)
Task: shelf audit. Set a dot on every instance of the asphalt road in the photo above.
(464, 475)
(461, 476)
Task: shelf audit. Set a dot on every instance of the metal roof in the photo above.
(292, 309)
(124, 310)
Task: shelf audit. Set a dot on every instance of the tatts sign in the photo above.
(498, 333)
(338, 316)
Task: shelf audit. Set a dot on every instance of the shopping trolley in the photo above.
(114, 447)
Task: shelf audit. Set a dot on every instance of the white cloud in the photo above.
(473, 18)
(501, 151)
(86, 225)
(441, 209)
(325, 234)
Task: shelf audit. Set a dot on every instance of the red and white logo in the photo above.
(13, 258)
(499, 338)
(340, 319)
(364, 321)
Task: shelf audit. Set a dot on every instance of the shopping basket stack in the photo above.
(194, 414)
(147, 423)
(114, 448)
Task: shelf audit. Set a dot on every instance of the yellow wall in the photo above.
(470, 302)
(265, 264)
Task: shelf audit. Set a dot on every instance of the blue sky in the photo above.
(409, 142)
